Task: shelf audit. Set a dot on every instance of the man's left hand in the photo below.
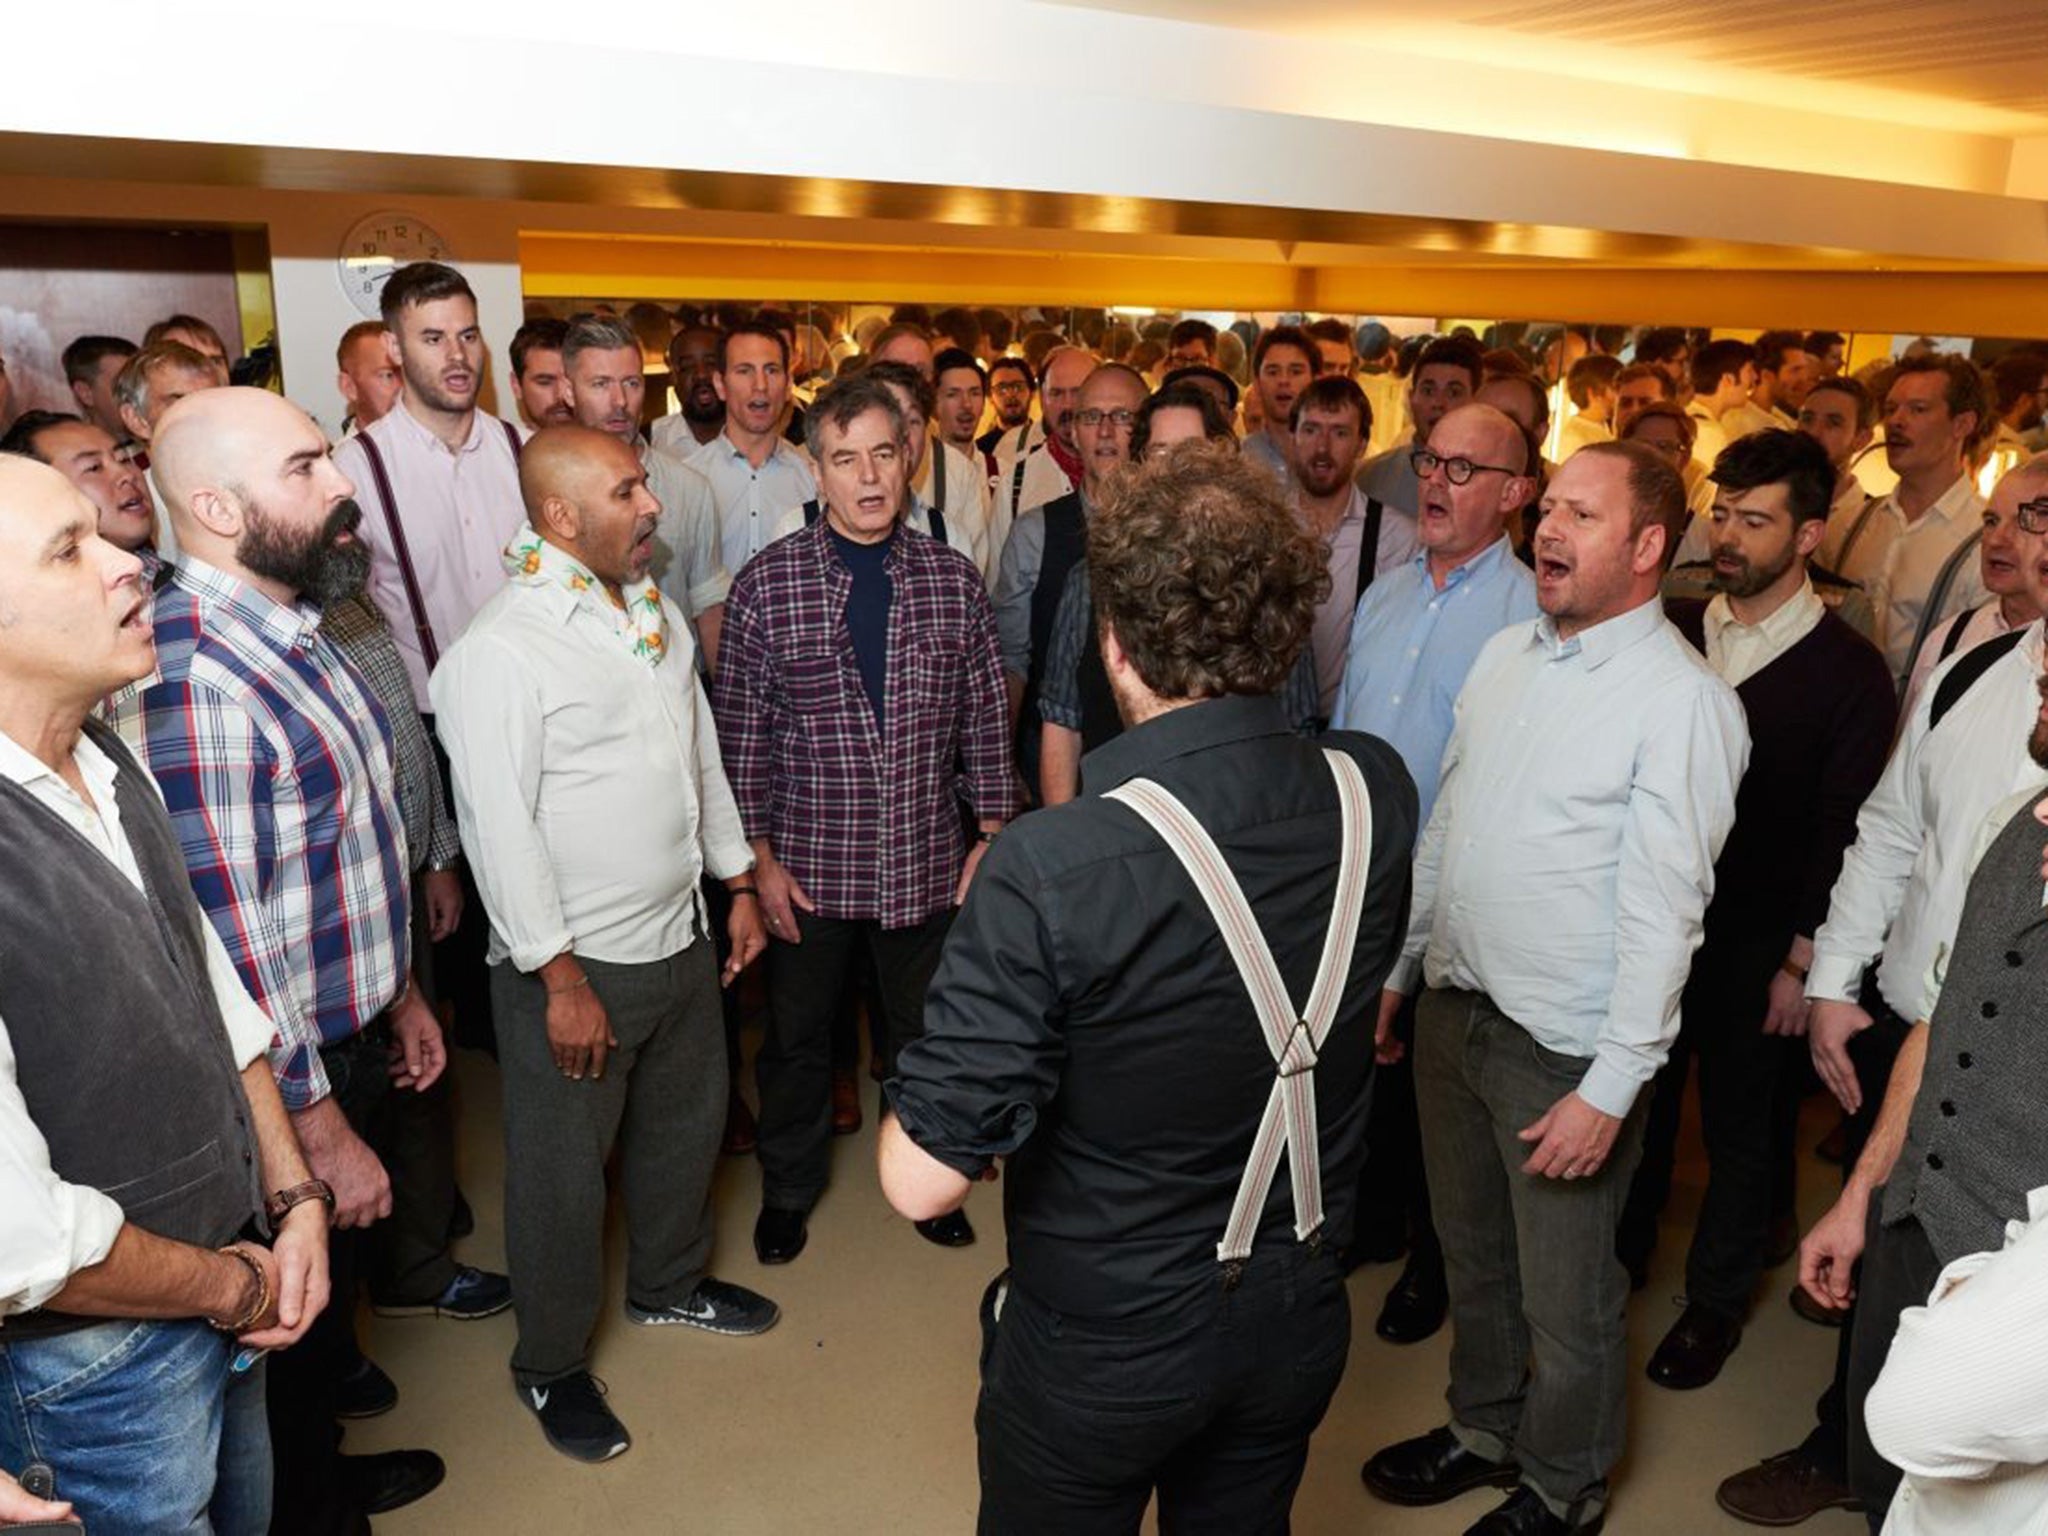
(301, 1254)
(967, 870)
(418, 1054)
(749, 935)
(1572, 1140)
(442, 889)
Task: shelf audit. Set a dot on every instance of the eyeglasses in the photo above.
(1094, 418)
(1458, 470)
(2032, 516)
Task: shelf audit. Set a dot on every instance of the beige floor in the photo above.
(855, 1414)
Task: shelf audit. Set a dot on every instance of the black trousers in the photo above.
(806, 984)
(1899, 1268)
(1210, 1402)
(1393, 1187)
(1749, 1115)
(462, 977)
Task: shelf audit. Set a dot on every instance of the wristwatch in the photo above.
(281, 1204)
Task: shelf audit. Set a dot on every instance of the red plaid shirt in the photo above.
(866, 817)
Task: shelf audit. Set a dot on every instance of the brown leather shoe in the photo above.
(845, 1103)
(1783, 1490)
(740, 1130)
(1813, 1311)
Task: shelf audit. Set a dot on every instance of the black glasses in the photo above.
(1094, 418)
(1457, 469)
(2032, 516)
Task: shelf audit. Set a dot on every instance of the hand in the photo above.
(418, 1053)
(781, 896)
(579, 1031)
(1572, 1140)
(443, 890)
(300, 1250)
(1831, 1025)
(975, 855)
(237, 1282)
(1787, 1012)
(18, 1508)
(748, 935)
(1827, 1259)
(1386, 1046)
(344, 1161)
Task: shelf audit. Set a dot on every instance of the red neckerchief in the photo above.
(1062, 456)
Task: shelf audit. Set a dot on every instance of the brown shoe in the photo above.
(1814, 1312)
(845, 1103)
(739, 1126)
(1783, 1490)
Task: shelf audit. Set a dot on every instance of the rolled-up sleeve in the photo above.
(985, 734)
(726, 853)
(1016, 579)
(49, 1230)
(743, 704)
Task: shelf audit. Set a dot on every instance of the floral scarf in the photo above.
(532, 561)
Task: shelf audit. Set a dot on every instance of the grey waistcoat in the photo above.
(1978, 1137)
(118, 1040)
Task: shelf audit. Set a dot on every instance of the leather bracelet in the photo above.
(256, 1308)
(580, 981)
(744, 890)
(986, 838)
(285, 1201)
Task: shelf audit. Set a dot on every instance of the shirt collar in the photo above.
(1605, 640)
(404, 420)
(1486, 560)
(1958, 502)
(1179, 732)
(23, 767)
(283, 627)
(1773, 626)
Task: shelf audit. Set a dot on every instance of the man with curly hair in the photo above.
(1143, 1078)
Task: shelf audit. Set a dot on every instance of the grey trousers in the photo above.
(662, 1099)
(1539, 1351)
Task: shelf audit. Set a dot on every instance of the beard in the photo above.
(315, 564)
(1752, 578)
(703, 408)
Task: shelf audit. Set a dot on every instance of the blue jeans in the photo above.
(146, 1428)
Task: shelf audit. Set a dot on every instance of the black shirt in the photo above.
(1088, 1023)
(867, 611)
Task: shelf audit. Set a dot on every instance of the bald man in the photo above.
(277, 768)
(572, 694)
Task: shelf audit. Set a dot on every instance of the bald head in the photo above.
(586, 493)
(1485, 434)
(569, 463)
(217, 437)
(1059, 389)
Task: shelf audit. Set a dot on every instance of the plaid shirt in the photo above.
(276, 763)
(866, 817)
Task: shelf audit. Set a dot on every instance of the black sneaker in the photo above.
(573, 1416)
(472, 1294)
(714, 1306)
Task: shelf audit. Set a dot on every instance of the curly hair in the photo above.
(1198, 564)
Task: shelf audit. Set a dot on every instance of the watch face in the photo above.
(378, 246)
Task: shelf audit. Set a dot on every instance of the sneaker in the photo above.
(472, 1294)
(573, 1416)
(716, 1307)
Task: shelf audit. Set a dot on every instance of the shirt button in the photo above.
(1934, 1161)
(1948, 1108)
(1989, 1010)
(1964, 1060)
(2014, 958)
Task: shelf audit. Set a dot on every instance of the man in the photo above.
(904, 341)
(160, 1220)
(1413, 640)
(756, 478)
(87, 457)
(1559, 888)
(1829, 351)
(950, 479)
(191, 331)
(1284, 360)
(693, 369)
(91, 364)
(1819, 705)
(1191, 344)
(1011, 388)
(1911, 550)
(861, 676)
(601, 359)
(1031, 475)
(1667, 349)
(1336, 348)
(263, 737)
(540, 383)
(607, 1011)
(437, 478)
(1049, 541)
(2003, 553)
(1962, 753)
(368, 378)
(1591, 388)
(1723, 374)
(1636, 386)
(1090, 1026)
(1447, 374)
(961, 385)
(1785, 372)
(153, 380)
(1361, 538)
(2019, 384)
(1839, 414)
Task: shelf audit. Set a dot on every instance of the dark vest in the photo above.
(1066, 546)
(118, 1041)
(1978, 1137)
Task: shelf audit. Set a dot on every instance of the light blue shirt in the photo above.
(1411, 646)
(752, 502)
(1587, 789)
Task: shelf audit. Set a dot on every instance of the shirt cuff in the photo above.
(530, 957)
(726, 859)
(1403, 977)
(1833, 978)
(709, 594)
(301, 1075)
(1609, 1089)
(1055, 712)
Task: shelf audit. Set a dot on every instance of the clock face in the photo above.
(378, 246)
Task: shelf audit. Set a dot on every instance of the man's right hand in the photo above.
(1827, 1259)
(1829, 1029)
(344, 1161)
(19, 1508)
(781, 896)
(579, 1031)
(1386, 1046)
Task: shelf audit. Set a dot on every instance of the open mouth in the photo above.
(1550, 568)
(137, 617)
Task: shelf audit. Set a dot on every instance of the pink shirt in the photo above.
(459, 511)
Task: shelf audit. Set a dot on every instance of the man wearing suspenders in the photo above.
(1152, 994)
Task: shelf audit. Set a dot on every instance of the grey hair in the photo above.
(131, 384)
(596, 333)
(844, 400)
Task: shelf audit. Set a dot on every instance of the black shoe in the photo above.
(779, 1235)
(1525, 1514)
(948, 1231)
(715, 1307)
(391, 1479)
(461, 1220)
(1432, 1468)
(472, 1294)
(574, 1417)
(365, 1392)
(1415, 1307)
(1695, 1349)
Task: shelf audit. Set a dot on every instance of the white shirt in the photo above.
(751, 501)
(50, 1230)
(1576, 433)
(1330, 635)
(1738, 651)
(1565, 872)
(1961, 1406)
(1898, 562)
(687, 564)
(1903, 879)
(1710, 437)
(1984, 622)
(1042, 481)
(590, 780)
(967, 503)
(1748, 418)
(672, 434)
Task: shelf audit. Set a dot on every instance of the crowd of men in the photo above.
(1550, 720)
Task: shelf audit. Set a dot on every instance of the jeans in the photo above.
(145, 1427)
(1210, 1400)
(1539, 1350)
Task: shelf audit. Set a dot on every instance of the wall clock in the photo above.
(379, 245)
